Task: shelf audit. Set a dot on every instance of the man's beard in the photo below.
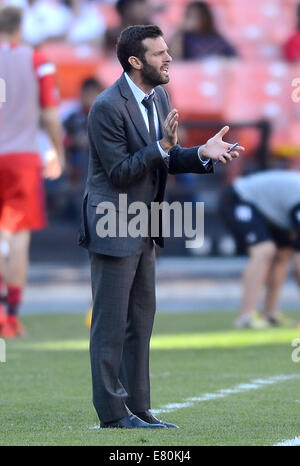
(151, 76)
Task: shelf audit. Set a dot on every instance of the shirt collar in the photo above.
(137, 92)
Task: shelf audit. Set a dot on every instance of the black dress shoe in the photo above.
(131, 422)
(148, 417)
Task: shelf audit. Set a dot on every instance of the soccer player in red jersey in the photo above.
(30, 96)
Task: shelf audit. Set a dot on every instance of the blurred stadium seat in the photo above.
(109, 71)
(259, 91)
(198, 89)
(109, 14)
(258, 28)
(74, 64)
(288, 144)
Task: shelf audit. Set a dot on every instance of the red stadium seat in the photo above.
(198, 89)
(168, 16)
(261, 91)
(109, 12)
(259, 28)
(289, 143)
(109, 71)
(74, 64)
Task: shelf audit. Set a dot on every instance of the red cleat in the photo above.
(12, 328)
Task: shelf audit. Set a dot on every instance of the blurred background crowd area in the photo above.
(235, 62)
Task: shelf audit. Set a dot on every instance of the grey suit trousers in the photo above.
(123, 291)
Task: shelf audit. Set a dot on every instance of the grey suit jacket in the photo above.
(123, 160)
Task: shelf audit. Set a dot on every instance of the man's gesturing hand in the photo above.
(170, 126)
(216, 148)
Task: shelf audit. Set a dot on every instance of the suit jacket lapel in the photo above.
(134, 111)
(138, 120)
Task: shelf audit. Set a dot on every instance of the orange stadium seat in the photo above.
(289, 144)
(258, 90)
(198, 89)
(261, 91)
(108, 72)
(110, 15)
(168, 16)
(259, 28)
(74, 64)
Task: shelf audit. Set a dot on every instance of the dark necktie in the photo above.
(148, 103)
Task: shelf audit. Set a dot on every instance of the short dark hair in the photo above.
(91, 84)
(10, 19)
(130, 43)
(123, 5)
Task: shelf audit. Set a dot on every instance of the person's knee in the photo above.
(19, 242)
(264, 252)
(284, 255)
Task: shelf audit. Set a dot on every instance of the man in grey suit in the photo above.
(133, 147)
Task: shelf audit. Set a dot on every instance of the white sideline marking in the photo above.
(295, 442)
(240, 388)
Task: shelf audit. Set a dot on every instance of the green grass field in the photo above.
(221, 386)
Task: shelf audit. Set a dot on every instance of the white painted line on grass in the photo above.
(295, 442)
(222, 393)
(237, 389)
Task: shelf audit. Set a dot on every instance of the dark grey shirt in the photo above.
(273, 192)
